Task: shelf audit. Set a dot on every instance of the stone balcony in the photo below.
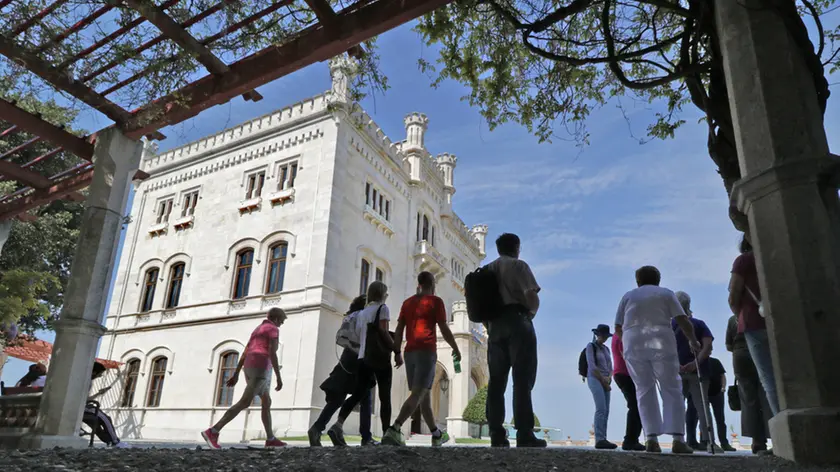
(158, 229)
(184, 222)
(280, 197)
(378, 220)
(429, 258)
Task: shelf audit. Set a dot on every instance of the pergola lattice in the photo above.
(219, 50)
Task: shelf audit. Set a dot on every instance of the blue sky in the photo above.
(587, 219)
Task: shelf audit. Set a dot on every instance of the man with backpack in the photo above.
(504, 296)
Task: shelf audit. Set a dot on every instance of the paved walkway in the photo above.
(473, 459)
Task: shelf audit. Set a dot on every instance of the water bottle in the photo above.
(457, 361)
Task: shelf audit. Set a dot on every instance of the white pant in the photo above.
(648, 367)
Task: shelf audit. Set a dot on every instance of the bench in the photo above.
(19, 410)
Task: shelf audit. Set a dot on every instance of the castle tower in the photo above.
(416, 125)
(342, 71)
(414, 146)
(479, 232)
(447, 162)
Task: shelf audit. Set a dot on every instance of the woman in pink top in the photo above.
(259, 358)
(628, 388)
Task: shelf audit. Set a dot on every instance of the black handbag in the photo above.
(733, 397)
(377, 353)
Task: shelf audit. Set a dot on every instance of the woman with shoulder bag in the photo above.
(375, 347)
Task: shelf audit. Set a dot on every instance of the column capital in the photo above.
(785, 174)
(80, 326)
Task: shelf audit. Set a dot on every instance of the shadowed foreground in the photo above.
(378, 459)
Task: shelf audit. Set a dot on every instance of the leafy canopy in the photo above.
(19, 294)
(547, 64)
(43, 248)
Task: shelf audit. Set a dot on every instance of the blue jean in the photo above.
(602, 407)
(759, 346)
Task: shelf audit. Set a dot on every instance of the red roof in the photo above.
(40, 351)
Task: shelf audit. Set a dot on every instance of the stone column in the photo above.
(793, 218)
(459, 384)
(77, 333)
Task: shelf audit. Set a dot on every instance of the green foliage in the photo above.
(475, 412)
(19, 294)
(42, 248)
(547, 65)
(536, 421)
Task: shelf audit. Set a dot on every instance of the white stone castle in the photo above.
(300, 209)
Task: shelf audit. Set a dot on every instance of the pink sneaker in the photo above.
(274, 443)
(211, 438)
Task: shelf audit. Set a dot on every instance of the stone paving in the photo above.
(461, 459)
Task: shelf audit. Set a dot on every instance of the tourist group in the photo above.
(659, 349)
(659, 345)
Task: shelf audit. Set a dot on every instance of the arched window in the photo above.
(418, 227)
(158, 375)
(433, 235)
(132, 369)
(227, 366)
(176, 280)
(364, 277)
(380, 276)
(244, 262)
(276, 267)
(425, 228)
(149, 286)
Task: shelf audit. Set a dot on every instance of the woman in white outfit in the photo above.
(643, 321)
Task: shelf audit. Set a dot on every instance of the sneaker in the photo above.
(393, 437)
(211, 438)
(271, 443)
(314, 437)
(531, 441)
(440, 440)
(604, 444)
(370, 442)
(633, 446)
(336, 434)
(122, 445)
(679, 447)
(652, 445)
(697, 446)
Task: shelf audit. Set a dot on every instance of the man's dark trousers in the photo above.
(512, 345)
(691, 419)
(634, 422)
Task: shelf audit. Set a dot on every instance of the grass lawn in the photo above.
(471, 441)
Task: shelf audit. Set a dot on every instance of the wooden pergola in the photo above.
(336, 27)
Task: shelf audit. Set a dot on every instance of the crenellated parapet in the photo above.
(270, 123)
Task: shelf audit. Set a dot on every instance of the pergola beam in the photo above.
(39, 127)
(314, 44)
(62, 81)
(24, 176)
(18, 206)
(180, 36)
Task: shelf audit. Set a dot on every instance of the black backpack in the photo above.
(484, 300)
(583, 366)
